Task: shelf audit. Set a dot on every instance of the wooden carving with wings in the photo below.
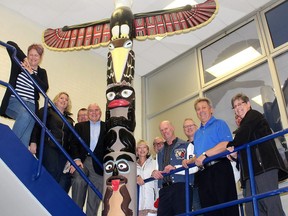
(118, 32)
(145, 26)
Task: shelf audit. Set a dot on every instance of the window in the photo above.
(277, 24)
(281, 63)
(231, 52)
(257, 85)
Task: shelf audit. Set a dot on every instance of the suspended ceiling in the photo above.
(150, 54)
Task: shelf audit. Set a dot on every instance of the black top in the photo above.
(265, 156)
(56, 126)
(78, 151)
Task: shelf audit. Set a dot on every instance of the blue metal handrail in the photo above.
(44, 128)
(254, 197)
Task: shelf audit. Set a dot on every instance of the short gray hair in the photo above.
(203, 99)
(240, 96)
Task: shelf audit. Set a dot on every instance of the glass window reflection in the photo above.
(257, 85)
(231, 52)
(281, 63)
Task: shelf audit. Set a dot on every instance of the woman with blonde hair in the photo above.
(53, 159)
(148, 192)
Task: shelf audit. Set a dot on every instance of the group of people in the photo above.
(213, 182)
(89, 127)
(147, 166)
(209, 183)
(91, 130)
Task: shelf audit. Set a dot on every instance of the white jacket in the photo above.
(148, 192)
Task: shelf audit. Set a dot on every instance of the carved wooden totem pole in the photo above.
(118, 32)
(120, 159)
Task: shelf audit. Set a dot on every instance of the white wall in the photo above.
(82, 74)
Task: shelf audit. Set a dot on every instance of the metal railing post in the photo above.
(252, 180)
(44, 130)
(187, 192)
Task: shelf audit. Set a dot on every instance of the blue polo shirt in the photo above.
(209, 135)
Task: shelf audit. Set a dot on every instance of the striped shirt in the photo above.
(24, 87)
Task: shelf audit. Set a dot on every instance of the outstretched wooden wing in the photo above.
(174, 21)
(85, 36)
(146, 26)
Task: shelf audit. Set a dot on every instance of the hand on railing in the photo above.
(185, 162)
(78, 163)
(156, 174)
(233, 155)
(168, 168)
(140, 181)
(33, 148)
(199, 161)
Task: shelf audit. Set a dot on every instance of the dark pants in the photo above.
(217, 185)
(80, 187)
(172, 200)
(264, 182)
(54, 161)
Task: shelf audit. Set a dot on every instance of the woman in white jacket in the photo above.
(148, 192)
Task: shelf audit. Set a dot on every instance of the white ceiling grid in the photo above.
(149, 54)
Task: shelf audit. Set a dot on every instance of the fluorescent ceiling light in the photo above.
(180, 3)
(258, 100)
(230, 64)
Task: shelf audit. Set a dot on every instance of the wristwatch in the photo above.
(204, 154)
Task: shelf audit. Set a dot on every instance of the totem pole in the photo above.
(118, 32)
(120, 158)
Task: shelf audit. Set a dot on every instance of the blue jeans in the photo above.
(24, 122)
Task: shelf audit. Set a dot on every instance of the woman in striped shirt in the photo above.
(23, 85)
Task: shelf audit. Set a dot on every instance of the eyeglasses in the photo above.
(238, 105)
(189, 126)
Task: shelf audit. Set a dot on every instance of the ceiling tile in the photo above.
(150, 54)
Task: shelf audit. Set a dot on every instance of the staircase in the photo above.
(21, 194)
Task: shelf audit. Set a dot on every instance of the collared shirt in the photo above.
(94, 134)
(210, 134)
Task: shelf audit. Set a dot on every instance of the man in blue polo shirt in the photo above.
(216, 180)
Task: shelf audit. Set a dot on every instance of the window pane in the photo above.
(281, 63)
(174, 82)
(231, 52)
(256, 84)
(277, 24)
